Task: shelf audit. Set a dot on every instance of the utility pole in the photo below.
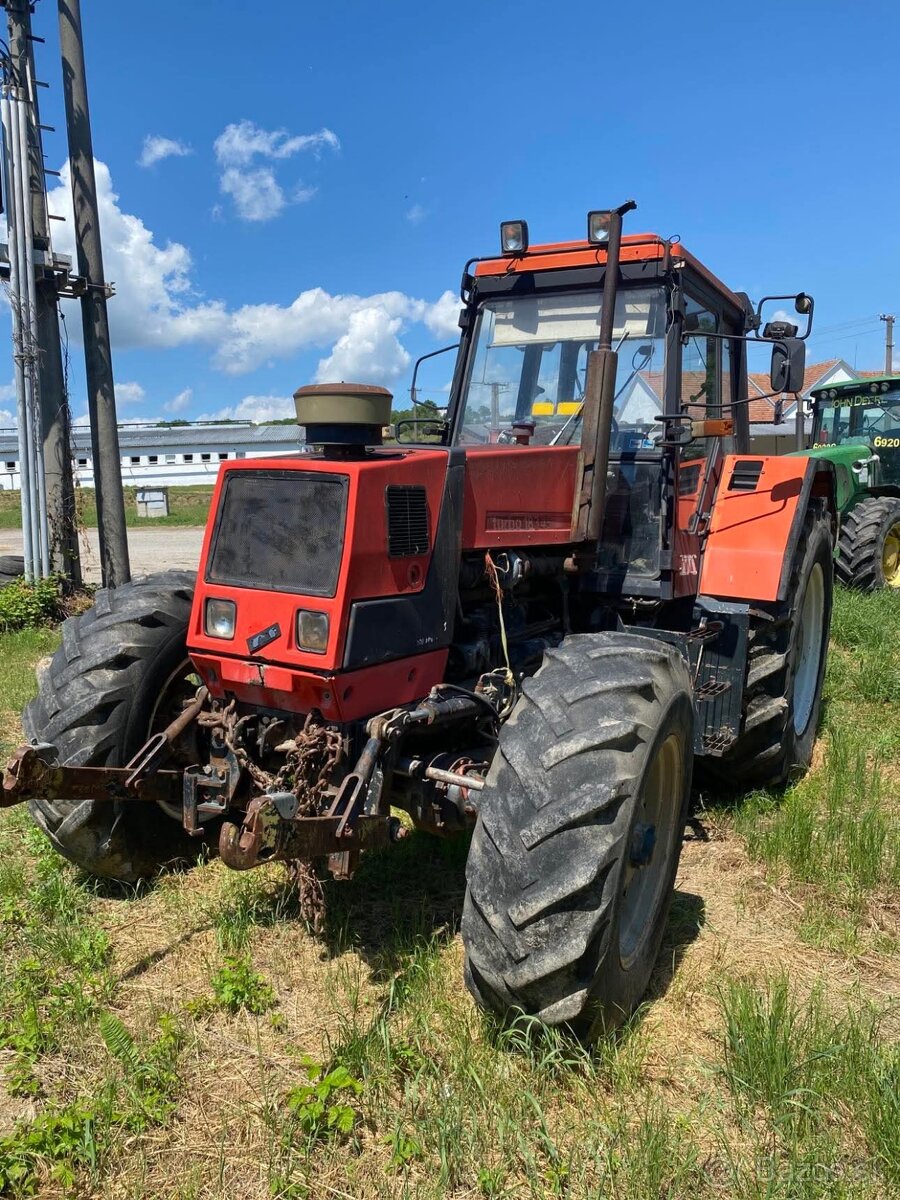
(888, 319)
(496, 389)
(101, 395)
(55, 432)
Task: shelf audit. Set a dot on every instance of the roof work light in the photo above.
(513, 237)
(598, 226)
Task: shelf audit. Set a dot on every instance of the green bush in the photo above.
(26, 604)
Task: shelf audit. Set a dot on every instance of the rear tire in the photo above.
(98, 697)
(787, 652)
(559, 920)
(12, 567)
(869, 545)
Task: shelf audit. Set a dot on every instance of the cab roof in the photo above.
(636, 247)
(856, 385)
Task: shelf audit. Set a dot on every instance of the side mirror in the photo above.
(788, 365)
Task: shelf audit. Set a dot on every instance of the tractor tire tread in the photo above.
(95, 696)
(860, 544)
(542, 868)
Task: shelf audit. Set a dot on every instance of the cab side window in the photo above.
(700, 382)
(707, 384)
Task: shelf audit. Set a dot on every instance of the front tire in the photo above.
(121, 672)
(869, 545)
(573, 860)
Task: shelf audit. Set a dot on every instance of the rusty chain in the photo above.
(312, 757)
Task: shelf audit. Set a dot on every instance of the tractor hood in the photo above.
(296, 554)
(849, 478)
(847, 453)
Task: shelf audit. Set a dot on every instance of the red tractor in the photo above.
(531, 624)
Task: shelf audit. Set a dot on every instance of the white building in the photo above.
(161, 456)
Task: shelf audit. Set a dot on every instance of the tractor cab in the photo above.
(861, 414)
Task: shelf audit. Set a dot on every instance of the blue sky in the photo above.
(332, 166)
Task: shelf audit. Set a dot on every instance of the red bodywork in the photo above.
(511, 498)
(270, 677)
(750, 531)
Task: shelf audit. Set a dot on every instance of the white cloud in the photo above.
(7, 419)
(129, 393)
(257, 194)
(416, 214)
(369, 352)
(314, 319)
(157, 148)
(254, 408)
(153, 289)
(254, 188)
(7, 391)
(243, 141)
(442, 318)
(156, 305)
(179, 403)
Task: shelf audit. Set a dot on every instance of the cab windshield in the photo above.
(856, 418)
(527, 375)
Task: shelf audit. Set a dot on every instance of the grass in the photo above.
(187, 506)
(192, 1039)
(834, 838)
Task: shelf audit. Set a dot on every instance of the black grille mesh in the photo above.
(282, 530)
(407, 520)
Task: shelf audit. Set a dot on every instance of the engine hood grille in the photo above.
(407, 520)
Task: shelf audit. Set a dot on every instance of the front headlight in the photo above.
(312, 631)
(218, 618)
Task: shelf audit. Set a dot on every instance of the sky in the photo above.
(289, 191)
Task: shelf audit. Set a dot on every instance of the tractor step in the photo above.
(716, 653)
(711, 688)
(717, 743)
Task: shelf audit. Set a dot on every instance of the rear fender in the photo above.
(759, 511)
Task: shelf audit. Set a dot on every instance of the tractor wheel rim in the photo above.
(178, 690)
(643, 887)
(809, 653)
(890, 557)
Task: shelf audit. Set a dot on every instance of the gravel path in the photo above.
(150, 549)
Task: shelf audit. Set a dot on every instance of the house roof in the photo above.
(183, 437)
(763, 410)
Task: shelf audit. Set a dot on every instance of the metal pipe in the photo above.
(26, 346)
(599, 398)
(439, 775)
(40, 489)
(24, 349)
(9, 143)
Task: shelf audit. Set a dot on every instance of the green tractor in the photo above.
(856, 427)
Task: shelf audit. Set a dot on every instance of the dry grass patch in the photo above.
(763, 1066)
